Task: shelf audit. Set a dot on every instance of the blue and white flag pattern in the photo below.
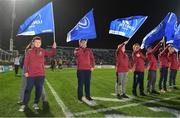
(85, 28)
(40, 22)
(167, 24)
(126, 27)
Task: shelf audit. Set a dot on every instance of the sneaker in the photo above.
(162, 91)
(119, 96)
(19, 102)
(155, 92)
(169, 90)
(89, 98)
(35, 106)
(134, 94)
(22, 108)
(142, 94)
(175, 88)
(124, 96)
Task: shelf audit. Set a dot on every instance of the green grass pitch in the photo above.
(64, 82)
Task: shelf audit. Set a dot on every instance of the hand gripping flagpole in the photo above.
(54, 34)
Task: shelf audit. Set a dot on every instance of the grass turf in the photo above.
(102, 85)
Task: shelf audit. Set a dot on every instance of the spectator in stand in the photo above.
(16, 64)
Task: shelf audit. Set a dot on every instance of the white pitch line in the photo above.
(112, 99)
(59, 101)
(175, 112)
(119, 107)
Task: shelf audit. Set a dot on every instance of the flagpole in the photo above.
(54, 34)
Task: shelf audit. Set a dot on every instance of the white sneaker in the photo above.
(35, 106)
(89, 102)
(22, 108)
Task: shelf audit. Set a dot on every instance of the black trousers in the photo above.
(163, 78)
(138, 79)
(84, 77)
(16, 68)
(172, 77)
(38, 83)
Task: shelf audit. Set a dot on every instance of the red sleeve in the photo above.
(156, 47)
(26, 62)
(119, 53)
(50, 53)
(76, 52)
(92, 59)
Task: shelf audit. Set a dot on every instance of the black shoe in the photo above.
(89, 98)
(175, 88)
(142, 94)
(134, 94)
(118, 96)
(155, 92)
(124, 96)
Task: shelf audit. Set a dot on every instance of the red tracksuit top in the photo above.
(174, 64)
(163, 58)
(152, 62)
(84, 58)
(34, 61)
(122, 60)
(138, 61)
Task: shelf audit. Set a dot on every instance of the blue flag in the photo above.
(40, 22)
(175, 42)
(171, 27)
(158, 32)
(126, 27)
(85, 28)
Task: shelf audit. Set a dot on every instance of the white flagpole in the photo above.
(54, 34)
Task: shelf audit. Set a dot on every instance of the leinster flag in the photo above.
(85, 29)
(126, 27)
(165, 28)
(40, 22)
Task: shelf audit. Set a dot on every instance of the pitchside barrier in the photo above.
(73, 66)
(5, 68)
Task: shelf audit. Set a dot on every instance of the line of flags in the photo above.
(43, 22)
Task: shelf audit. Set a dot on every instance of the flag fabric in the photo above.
(126, 27)
(84, 29)
(161, 30)
(40, 22)
(171, 27)
(175, 42)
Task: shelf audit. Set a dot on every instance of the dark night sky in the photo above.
(68, 12)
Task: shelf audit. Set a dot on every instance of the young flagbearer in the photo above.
(174, 65)
(152, 67)
(138, 60)
(85, 65)
(164, 65)
(122, 67)
(34, 71)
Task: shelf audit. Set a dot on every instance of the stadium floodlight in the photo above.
(12, 26)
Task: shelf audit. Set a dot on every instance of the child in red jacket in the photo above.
(34, 71)
(138, 60)
(174, 65)
(122, 67)
(152, 67)
(85, 65)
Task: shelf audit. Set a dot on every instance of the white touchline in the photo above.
(119, 107)
(112, 99)
(59, 101)
(157, 109)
